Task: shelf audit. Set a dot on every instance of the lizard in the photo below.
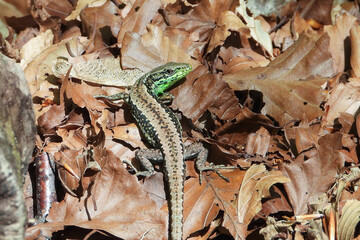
(163, 131)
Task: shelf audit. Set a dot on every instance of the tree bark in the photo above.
(17, 140)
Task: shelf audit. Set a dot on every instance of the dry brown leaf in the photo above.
(130, 134)
(96, 18)
(35, 46)
(52, 118)
(257, 31)
(151, 50)
(46, 11)
(303, 137)
(203, 202)
(320, 11)
(312, 175)
(9, 10)
(284, 36)
(258, 143)
(276, 203)
(81, 95)
(255, 186)
(211, 10)
(113, 189)
(139, 17)
(227, 21)
(355, 50)
(338, 33)
(74, 139)
(40, 67)
(81, 4)
(241, 59)
(193, 98)
(236, 133)
(291, 83)
(344, 98)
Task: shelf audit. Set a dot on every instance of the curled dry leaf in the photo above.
(344, 98)
(348, 220)
(130, 134)
(258, 143)
(257, 32)
(35, 46)
(152, 50)
(98, 17)
(255, 186)
(297, 74)
(81, 96)
(303, 137)
(227, 21)
(80, 5)
(193, 97)
(236, 132)
(209, 10)
(355, 50)
(241, 59)
(290, 32)
(338, 33)
(312, 175)
(40, 67)
(138, 18)
(104, 209)
(203, 202)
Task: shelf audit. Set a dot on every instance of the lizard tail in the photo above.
(176, 209)
(176, 187)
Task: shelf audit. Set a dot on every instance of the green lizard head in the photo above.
(167, 75)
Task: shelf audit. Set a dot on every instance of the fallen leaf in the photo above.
(80, 5)
(241, 59)
(228, 21)
(203, 202)
(151, 50)
(254, 187)
(40, 67)
(258, 143)
(141, 13)
(113, 189)
(35, 46)
(338, 33)
(312, 175)
(355, 50)
(193, 98)
(348, 220)
(256, 30)
(298, 74)
(246, 122)
(344, 98)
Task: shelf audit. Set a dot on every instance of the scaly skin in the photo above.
(163, 130)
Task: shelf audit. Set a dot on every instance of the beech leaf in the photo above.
(254, 187)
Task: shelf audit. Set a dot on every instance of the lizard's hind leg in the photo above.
(199, 151)
(145, 156)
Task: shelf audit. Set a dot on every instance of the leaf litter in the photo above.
(274, 92)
